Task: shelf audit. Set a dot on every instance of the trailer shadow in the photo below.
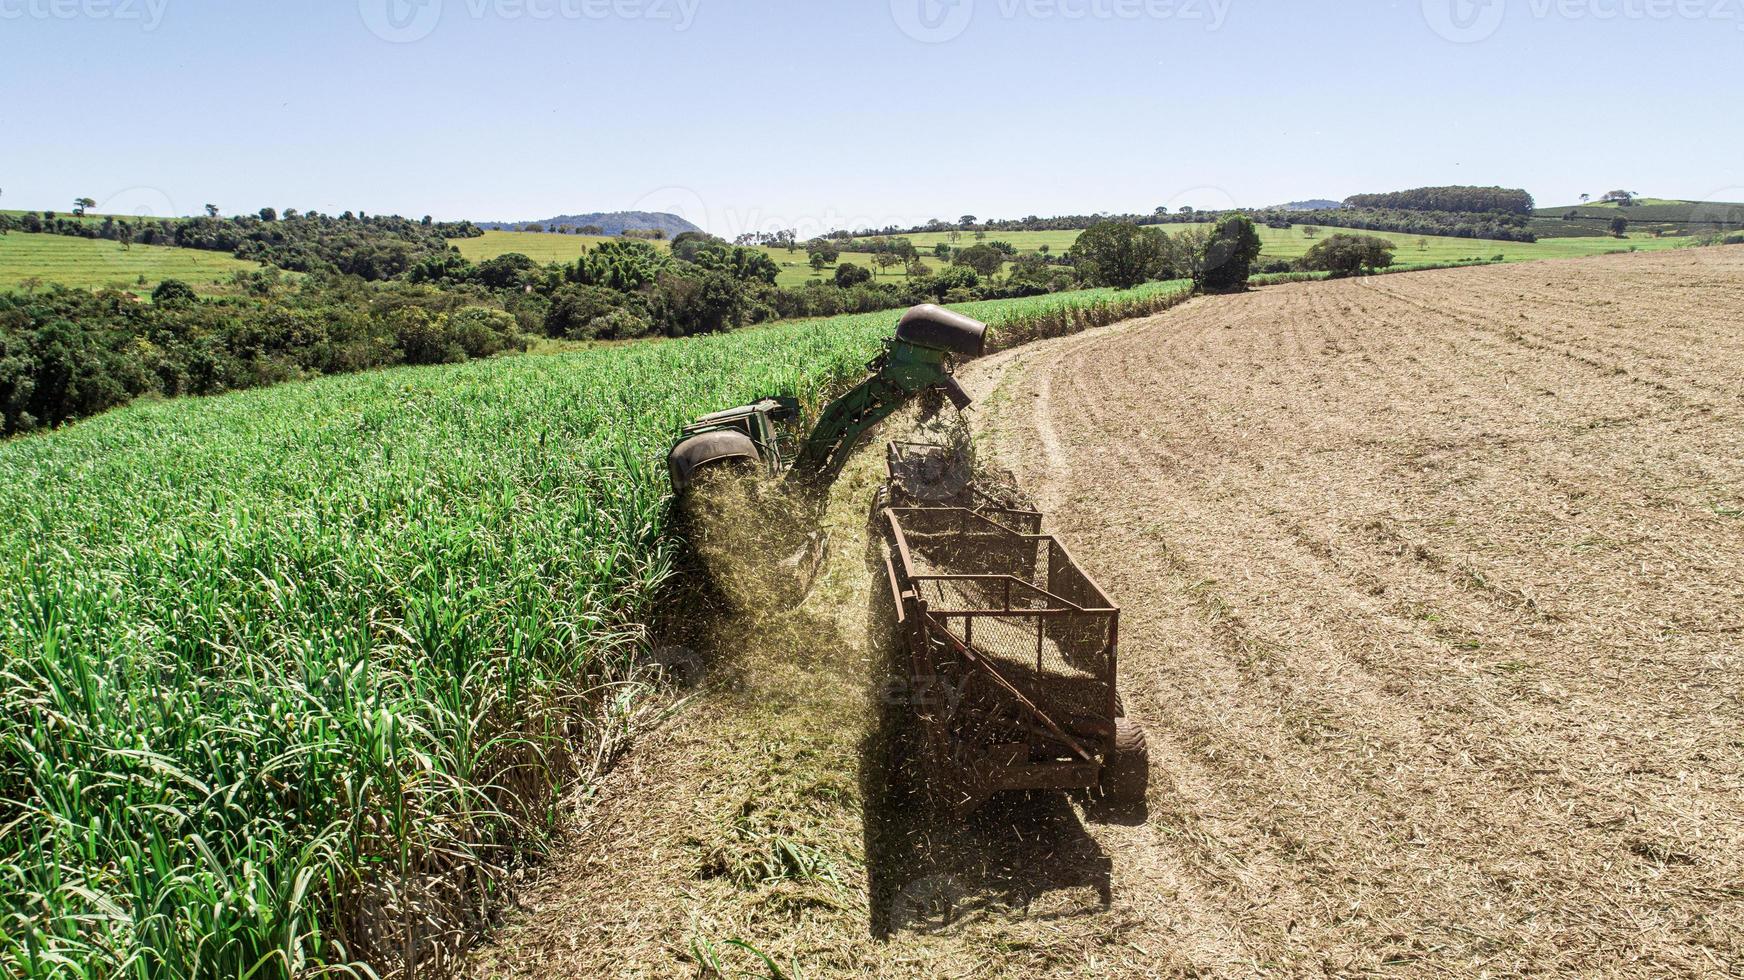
(1020, 855)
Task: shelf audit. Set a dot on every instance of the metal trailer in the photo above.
(1011, 654)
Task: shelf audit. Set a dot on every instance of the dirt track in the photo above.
(1434, 608)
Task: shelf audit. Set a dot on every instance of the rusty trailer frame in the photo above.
(1013, 649)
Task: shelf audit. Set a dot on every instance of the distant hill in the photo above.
(608, 222)
(1317, 204)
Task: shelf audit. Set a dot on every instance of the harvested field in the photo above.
(1433, 592)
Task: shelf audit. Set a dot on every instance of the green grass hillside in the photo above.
(538, 246)
(288, 669)
(86, 263)
(1646, 215)
(1293, 243)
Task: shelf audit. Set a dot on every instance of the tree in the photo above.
(849, 274)
(1585, 198)
(1349, 255)
(83, 204)
(1186, 209)
(955, 236)
(980, 235)
(817, 261)
(1310, 231)
(942, 252)
(1422, 244)
(171, 292)
(984, 259)
(689, 244)
(1235, 244)
(212, 211)
(1620, 226)
(1619, 198)
(1044, 248)
(966, 220)
(956, 277)
(694, 303)
(886, 259)
(1118, 253)
(822, 248)
(507, 271)
(1184, 253)
(575, 309)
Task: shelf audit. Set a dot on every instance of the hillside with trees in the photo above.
(373, 247)
(1459, 199)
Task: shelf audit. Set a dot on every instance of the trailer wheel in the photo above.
(1127, 775)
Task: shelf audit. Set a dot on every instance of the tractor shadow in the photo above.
(1022, 855)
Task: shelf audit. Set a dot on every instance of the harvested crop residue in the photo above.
(1433, 605)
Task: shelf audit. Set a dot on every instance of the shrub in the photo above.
(172, 291)
(424, 339)
(574, 307)
(849, 274)
(619, 324)
(954, 277)
(483, 332)
(1349, 255)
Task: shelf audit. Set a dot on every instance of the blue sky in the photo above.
(819, 113)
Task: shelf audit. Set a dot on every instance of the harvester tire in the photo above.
(1127, 776)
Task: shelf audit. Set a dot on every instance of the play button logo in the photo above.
(400, 21)
(1464, 21)
(932, 21)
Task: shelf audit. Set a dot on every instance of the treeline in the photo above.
(66, 354)
(373, 247)
(1450, 224)
(1460, 199)
(1501, 226)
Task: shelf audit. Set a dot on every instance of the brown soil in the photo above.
(1433, 592)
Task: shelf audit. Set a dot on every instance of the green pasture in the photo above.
(29, 261)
